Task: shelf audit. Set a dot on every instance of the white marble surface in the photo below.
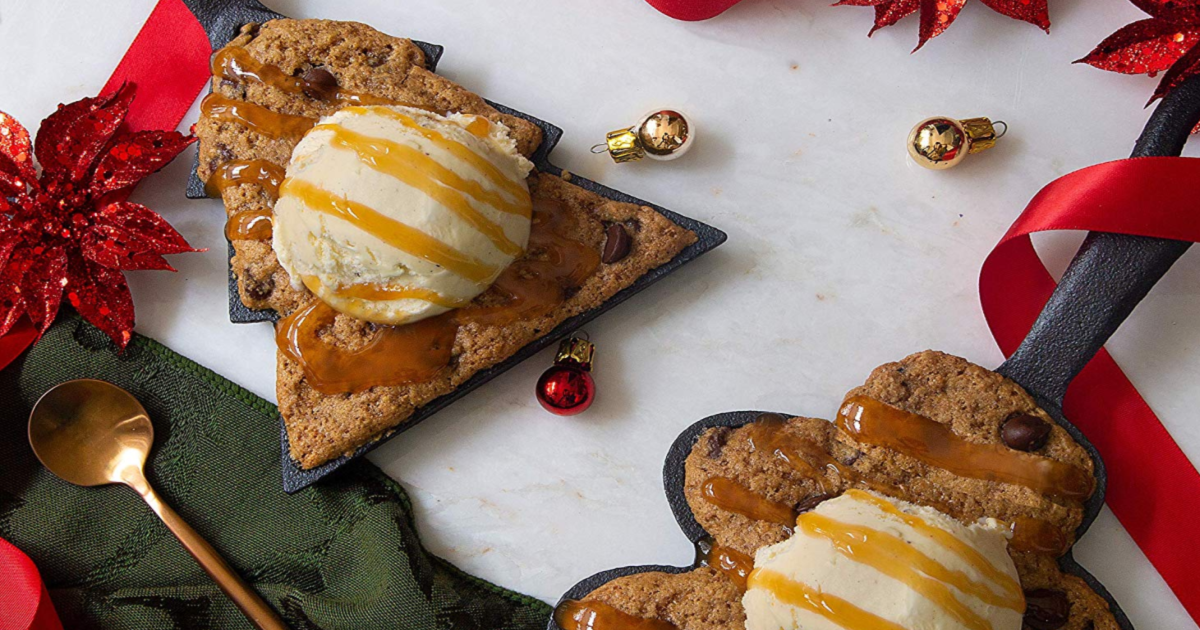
(841, 254)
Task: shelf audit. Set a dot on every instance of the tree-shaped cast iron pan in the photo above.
(222, 20)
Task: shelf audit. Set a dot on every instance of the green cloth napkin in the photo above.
(342, 554)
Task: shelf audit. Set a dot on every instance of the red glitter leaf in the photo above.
(892, 12)
(16, 146)
(1187, 67)
(936, 17)
(42, 286)
(12, 179)
(70, 139)
(12, 302)
(1036, 12)
(146, 226)
(861, 3)
(134, 156)
(1144, 47)
(101, 296)
(1171, 10)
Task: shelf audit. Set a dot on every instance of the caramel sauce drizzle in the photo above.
(831, 607)
(730, 496)
(733, 563)
(1013, 598)
(383, 292)
(238, 65)
(411, 353)
(534, 285)
(266, 174)
(1034, 535)
(422, 172)
(250, 225)
(577, 615)
(480, 127)
(935, 444)
(389, 230)
(895, 558)
(518, 190)
(255, 117)
(418, 352)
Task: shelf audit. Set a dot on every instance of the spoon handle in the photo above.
(256, 610)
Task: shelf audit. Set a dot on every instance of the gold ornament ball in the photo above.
(665, 135)
(938, 143)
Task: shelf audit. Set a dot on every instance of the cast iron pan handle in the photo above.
(222, 19)
(1110, 274)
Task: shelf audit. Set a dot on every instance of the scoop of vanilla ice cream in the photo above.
(395, 214)
(863, 560)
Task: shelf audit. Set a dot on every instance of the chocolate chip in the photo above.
(1046, 609)
(319, 83)
(257, 289)
(811, 503)
(616, 244)
(717, 441)
(1025, 432)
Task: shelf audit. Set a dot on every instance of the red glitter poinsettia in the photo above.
(937, 15)
(1166, 41)
(69, 232)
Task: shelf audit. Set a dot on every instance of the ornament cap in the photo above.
(942, 142)
(576, 350)
(623, 145)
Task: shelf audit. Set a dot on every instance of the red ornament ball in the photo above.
(566, 389)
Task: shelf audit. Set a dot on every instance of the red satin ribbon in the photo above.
(24, 602)
(168, 61)
(1152, 486)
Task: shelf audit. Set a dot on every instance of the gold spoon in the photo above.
(93, 433)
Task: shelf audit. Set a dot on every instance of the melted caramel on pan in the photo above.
(935, 444)
(255, 117)
(266, 174)
(730, 496)
(418, 352)
(577, 615)
(236, 64)
(386, 292)
(249, 225)
(1034, 535)
(733, 563)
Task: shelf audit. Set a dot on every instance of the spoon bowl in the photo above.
(90, 432)
(93, 433)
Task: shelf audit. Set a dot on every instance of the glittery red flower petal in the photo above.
(1035, 12)
(15, 145)
(146, 225)
(892, 12)
(861, 3)
(132, 157)
(42, 286)
(936, 17)
(1187, 67)
(12, 303)
(102, 297)
(130, 236)
(1146, 46)
(1171, 10)
(70, 139)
